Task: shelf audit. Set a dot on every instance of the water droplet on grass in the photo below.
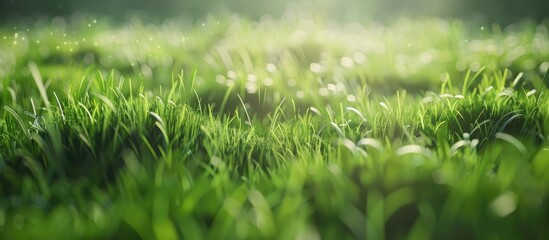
(460, 66)
(271, 68)
(315, 67)
(251, 87)
(300, 94)
(347, 62)
(231, 74)
(351, 98)
(252, 78)
(220, 79)
(475, 66)
(359, 57)
(323, 92)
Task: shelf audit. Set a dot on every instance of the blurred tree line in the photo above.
(499, 11)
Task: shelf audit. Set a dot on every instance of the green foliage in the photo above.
(290, 128)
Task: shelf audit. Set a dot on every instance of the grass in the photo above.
(295, 128)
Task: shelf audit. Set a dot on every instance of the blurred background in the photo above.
(491, 11)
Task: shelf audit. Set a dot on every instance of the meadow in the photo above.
(282, 128)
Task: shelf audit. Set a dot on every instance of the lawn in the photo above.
(282, 128)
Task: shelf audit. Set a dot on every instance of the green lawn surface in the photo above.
(290, 128)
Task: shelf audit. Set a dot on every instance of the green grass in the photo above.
(295, 128)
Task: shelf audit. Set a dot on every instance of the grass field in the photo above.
(291, 128)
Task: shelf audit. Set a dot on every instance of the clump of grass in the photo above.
(513, 110)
